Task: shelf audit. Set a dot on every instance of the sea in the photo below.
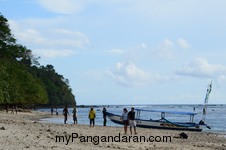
(215, 115)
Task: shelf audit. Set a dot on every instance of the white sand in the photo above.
(23, 131)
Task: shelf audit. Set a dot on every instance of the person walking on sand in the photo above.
(125, 119)
(104, 111)
(92, 116)
(132, 122)
(75, 115)
(65, 113)
(16, 109)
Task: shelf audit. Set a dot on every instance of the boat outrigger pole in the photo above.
(209, 88)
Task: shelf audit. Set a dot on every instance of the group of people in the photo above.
(14, 108)
(128, 118)
(66, 113)
(91, 115)
(53, 111)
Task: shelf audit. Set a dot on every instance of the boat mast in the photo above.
(209, 88)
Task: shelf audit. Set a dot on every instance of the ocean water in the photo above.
(215, 116)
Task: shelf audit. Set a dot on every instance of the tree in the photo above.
(18, 86)
(22, 81)
(58, 89)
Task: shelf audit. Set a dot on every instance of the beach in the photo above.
(25, 131)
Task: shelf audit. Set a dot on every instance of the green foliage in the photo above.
(58, 89)
(18, 86)
(22, 81)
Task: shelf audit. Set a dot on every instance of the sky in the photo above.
(128, 51)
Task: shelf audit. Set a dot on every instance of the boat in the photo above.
(164, 123)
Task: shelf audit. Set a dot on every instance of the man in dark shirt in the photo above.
(104, 111)
(65, 113)
(132, 122)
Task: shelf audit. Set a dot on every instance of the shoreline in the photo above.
(48, 120)
(25, 131)
(38, 116)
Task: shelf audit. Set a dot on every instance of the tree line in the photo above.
(23, 81)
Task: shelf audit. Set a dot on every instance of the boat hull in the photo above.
(157, 124)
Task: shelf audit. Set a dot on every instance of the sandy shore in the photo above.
(24, 131)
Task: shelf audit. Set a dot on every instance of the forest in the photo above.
(23, 81)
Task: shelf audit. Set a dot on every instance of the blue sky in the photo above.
(128, 51)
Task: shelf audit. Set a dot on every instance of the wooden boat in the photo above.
(163, 123)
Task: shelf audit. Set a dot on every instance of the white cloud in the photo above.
(149, 9)
(115, 51)
(132, 53)
(31, 36)
(128, 74)
(48, 53)
(167, 43)
(62, 6)
(221, 79)
(44, 22)
(69, 38)
(201, 68)
(183, 43)
(49, 38)
(143, 45)
(165, 49)
(175, 9)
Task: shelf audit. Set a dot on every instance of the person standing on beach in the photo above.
(65, 113)
(16, 109)
(7, 108)
(75, 115)
(12, 110)
(51, 110)
(104, 111)
(125, 119)
(132, 122)
(92, 116)
(56, 111)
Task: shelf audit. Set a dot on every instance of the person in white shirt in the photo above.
(125, 119)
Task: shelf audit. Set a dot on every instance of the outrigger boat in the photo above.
(163, 123)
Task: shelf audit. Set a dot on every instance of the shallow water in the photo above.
(216, 115)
